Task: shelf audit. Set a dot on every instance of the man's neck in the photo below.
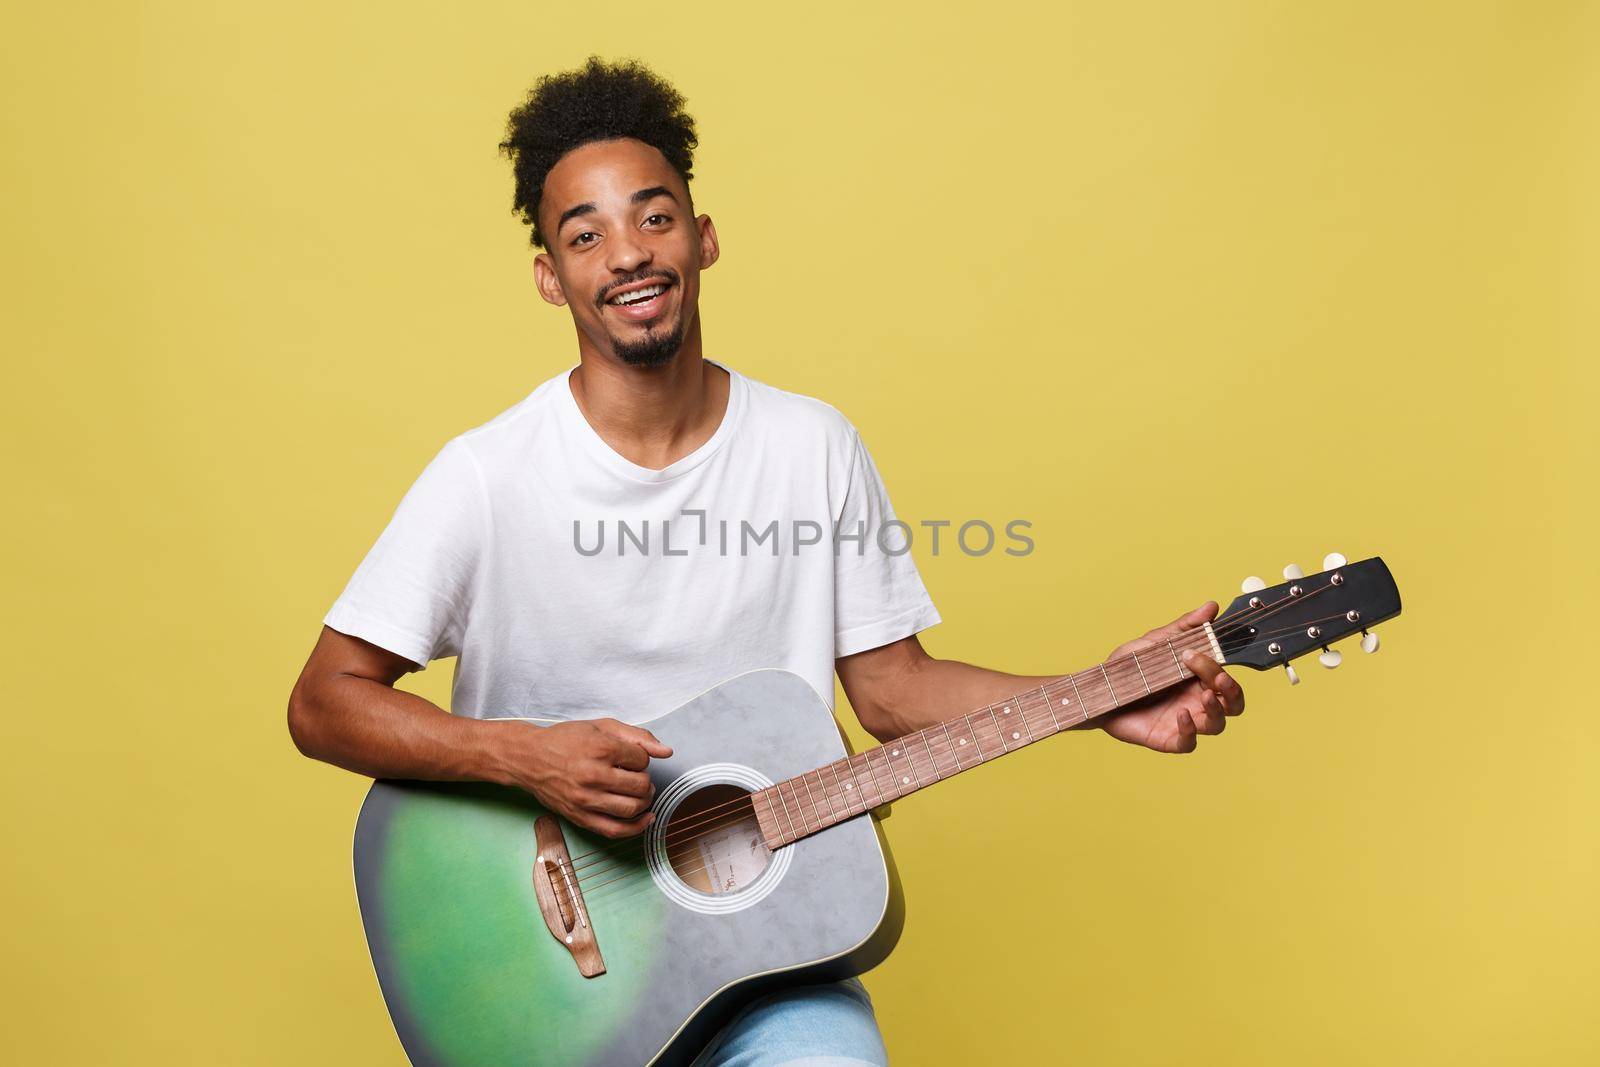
(652, 416)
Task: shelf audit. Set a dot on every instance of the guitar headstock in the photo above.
(1268, 626)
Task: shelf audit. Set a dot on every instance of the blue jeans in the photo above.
(827, 1025)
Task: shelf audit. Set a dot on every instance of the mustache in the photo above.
(661, 274)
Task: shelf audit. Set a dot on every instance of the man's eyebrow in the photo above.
(651, 193)
(587, 207)
(573, 212)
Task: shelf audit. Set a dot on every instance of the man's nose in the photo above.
(628, 253)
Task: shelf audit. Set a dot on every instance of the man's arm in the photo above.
(898, 688)
(345, 710)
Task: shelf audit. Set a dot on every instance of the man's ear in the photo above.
(708, 241)
(544, 276)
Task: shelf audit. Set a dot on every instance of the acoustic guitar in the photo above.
(502, 934)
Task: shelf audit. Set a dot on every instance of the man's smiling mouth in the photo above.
(638, 296)
(641, 300)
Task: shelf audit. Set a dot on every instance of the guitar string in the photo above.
(1121, 664)
(712, 811)
(632, 884)
(1194, 639)
(601, 893)
(1182, 639)
(876, 771)
(743, 807)
(880, 776)
(632, 879)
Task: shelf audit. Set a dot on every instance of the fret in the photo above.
(830, 794)
(787, 814)
(1022, 713)
(1083, 709)
(1111, 689)
(812, 797)
(799, 809)
(1142, 678)
(1099, 704)
(1182, 670)
(861, 794)
(967, 719)
(1015, 735)
(827, 798)
(955, 749)
(902, 779)
(888, 792)
(885, 791)
(911, 760)
(845, 789)
(1000, 733)
(772, 818)
(937, 774)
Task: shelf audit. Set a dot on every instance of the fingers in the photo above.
(1215, 680)
(1182, 624)
(634, 744)
(1187, 732)
(1210, 717)
(625, 783)
(606, 826)
(636, 735)
(614, 804)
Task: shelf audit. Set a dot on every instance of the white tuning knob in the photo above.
(1252, 584)
(1293, 571)
(1294, 679)
(1369, 641)
(1330, 658)
(1332, 560)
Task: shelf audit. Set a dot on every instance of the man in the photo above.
(499, 553)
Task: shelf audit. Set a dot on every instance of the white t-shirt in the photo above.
(573, 583)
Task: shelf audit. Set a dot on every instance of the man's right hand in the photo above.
(589, 771)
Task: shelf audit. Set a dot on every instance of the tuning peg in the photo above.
(1332, 560)
(1369, 641)
(1294, 679)
(1252, 584)
(1330, 658)
(1293, 571)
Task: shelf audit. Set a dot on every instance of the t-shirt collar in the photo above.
(614, 460)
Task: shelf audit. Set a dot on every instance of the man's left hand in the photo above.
(1173, 719)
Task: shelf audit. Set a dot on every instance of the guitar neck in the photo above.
(798, 807)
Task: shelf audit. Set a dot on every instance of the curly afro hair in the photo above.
(597, 102)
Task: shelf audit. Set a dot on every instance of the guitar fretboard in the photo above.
(803, 805)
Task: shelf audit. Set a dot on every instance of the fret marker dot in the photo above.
(1066, 700)
(1005, 711)
(848, 786)
(963, 741)
(1015, 735)
(895, 752)
(905, 781)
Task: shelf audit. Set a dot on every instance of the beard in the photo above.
(659, 343)
(656, 348)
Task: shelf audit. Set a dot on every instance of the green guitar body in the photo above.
(474, 976)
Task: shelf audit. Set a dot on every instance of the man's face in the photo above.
(617, 221)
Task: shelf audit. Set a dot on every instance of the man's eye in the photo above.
(653, 218)
(579, 240)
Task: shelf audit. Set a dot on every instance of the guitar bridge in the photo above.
(555, 883)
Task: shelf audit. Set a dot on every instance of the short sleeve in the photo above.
(878, 594)
(411, 593)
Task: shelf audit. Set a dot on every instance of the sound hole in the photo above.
(713, 842)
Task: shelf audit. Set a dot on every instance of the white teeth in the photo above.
(639, 295)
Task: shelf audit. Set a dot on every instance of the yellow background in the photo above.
(1197, 289)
